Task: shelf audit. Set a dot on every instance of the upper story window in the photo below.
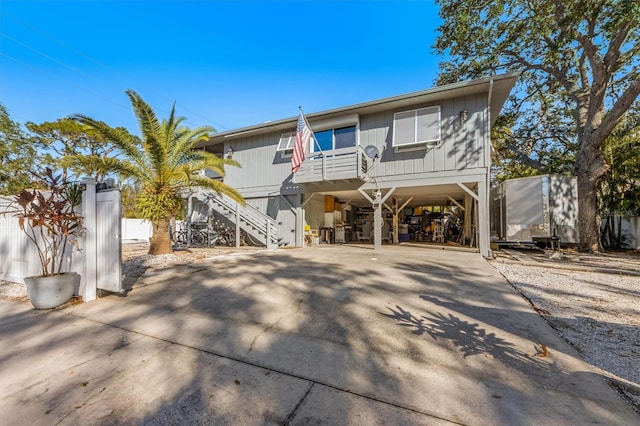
(416, 127)
(331, 139)
(286, 142)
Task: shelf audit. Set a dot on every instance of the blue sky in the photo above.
(229, 64)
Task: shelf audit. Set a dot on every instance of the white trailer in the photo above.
(535, 209)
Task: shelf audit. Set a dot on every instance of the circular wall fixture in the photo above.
(372, 151)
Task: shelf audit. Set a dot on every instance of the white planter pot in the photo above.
(46, 292)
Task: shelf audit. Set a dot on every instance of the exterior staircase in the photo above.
(260, 228)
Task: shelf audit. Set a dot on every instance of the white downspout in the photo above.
(484, 227)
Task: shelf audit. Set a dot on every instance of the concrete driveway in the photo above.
(322, 335)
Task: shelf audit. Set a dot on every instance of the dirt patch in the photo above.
(136, 262)
(591, 300)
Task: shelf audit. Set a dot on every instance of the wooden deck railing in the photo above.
(339, 164)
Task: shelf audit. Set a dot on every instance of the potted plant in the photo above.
(48, 218)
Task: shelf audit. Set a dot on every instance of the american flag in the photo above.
(303, 135)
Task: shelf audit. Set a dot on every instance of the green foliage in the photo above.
(533, 139)
(59, 140)
(573, 55)
(620, 186)
(16, 156)
(129, 193)
(158, 203)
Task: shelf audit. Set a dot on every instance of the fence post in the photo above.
(88, 279)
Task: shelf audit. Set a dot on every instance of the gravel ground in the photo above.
(592, 301)
(135, 262)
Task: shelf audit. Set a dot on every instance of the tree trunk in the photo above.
(590, 167)
(588, 214)
(160, 242)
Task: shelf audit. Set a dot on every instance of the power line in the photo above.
(18, 61)
(55, 40)
(44, 55)
(84, 56)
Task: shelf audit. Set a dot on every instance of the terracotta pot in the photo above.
(46, 292)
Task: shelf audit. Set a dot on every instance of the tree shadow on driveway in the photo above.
(291, 327)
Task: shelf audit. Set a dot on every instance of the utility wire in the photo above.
(55, 40)
(44, 55)
(40, 70)
(84, 56)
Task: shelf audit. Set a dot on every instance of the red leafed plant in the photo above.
(48, 218)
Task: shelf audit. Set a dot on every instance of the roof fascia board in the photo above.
(503, 84)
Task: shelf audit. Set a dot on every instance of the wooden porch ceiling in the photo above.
(422, 196)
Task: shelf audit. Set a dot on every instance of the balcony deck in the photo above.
(344, 164)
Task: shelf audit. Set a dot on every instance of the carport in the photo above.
(394, 203)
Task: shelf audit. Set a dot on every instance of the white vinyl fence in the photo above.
(97, 257)
(633, 229)
(18, 259)
(630, 230)
(136, 230)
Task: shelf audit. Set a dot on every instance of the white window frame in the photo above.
(289, 139)
(430, 112)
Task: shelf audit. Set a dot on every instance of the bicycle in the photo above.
(226, 236)
(222, 236)
(198, 238)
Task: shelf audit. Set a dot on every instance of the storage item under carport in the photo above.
(403, 233)
(536, 209)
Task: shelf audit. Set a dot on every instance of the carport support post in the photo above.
(299, 213)
(88, 276)
(483, 219)
(482, 214)
(468, 208)
(377, 220)
(376, 202)
(377, 216)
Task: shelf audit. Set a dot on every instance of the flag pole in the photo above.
(312, 133)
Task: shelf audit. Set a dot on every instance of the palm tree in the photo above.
(164, 161)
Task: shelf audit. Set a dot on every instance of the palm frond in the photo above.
(183, 149)
(97, 165)
(203, 160)
(123, 140)
(169, 125)
(150, 129)
(187, 139)
(218, 186)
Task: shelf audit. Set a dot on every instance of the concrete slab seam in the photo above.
(284, 373)
(293, 412)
